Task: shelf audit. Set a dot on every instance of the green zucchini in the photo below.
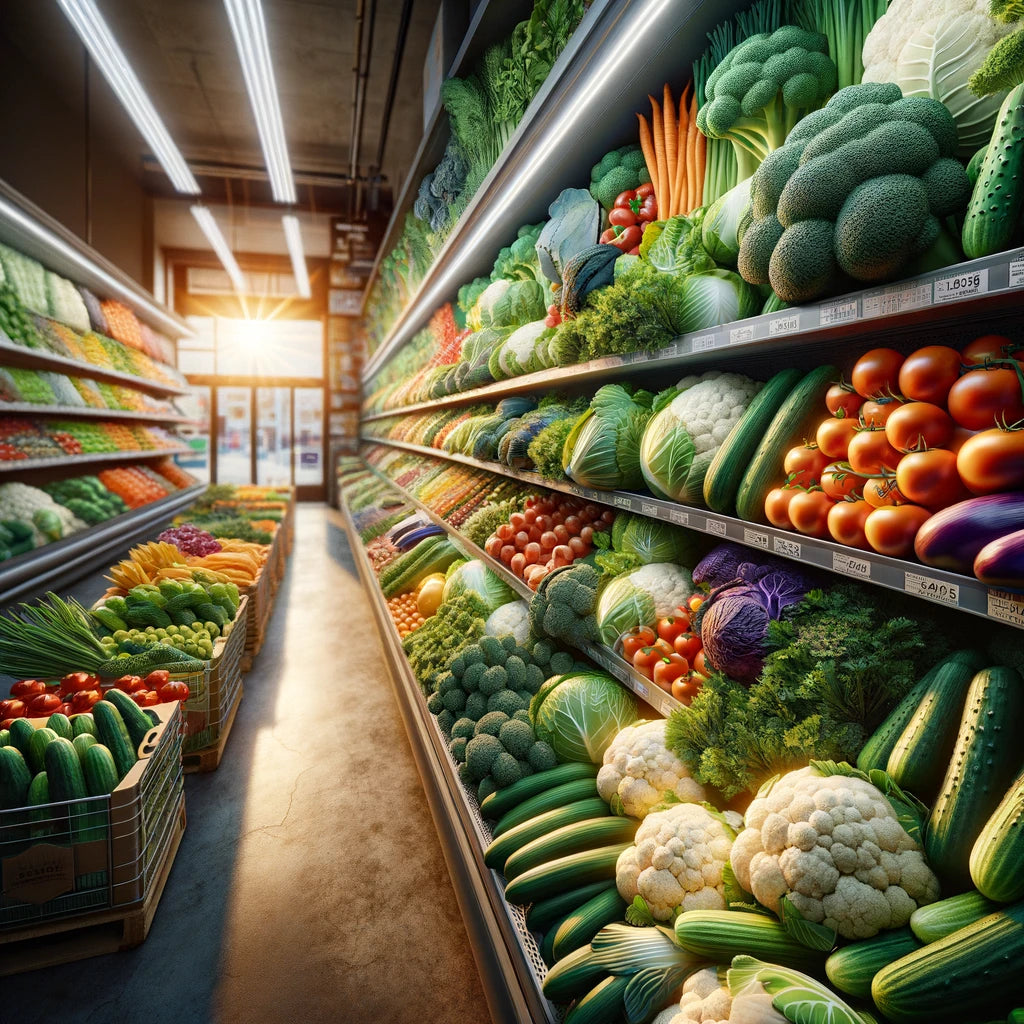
(135, 719)
(543, 913)
(580, 835)
(985, 761)
(60, 724)
(997, 200)
(719, 935)
(949, 980)
(21, 730)
(937, 920)
(723, 476)
(573, 975)
(581, 926)
(852, 968)
(603, 1004)
(503, 800)
(15, 778)
(567, 872)
(795, 420)
(998, 853)
(548, 800)
(113, 734)
(919, 757)
(82, 723)
(515, 838)
(37, 744)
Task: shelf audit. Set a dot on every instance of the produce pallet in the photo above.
(208, 759)
(108, 931)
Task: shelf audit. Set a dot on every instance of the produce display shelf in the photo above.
(662, 702)
(24, 465)
(88, 412)
(509, 962)
(37, 359)
(949, 589)
(993, 283)
(91, 549)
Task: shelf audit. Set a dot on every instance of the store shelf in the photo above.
(995, 283)
(510, 966)
(88, 412)
(24, 465)
(33, 232)
(38, 359)
(936, 585)
(63, 561)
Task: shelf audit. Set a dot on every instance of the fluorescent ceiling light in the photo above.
(219, 245)
(250, 32)
(111, 61)
(293, 237)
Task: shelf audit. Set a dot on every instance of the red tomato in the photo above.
(146, 698)
(128, 683)
(517, 521)
(842, 400)
(668, 669)
(83, 700)
(776, 506)
(992, 461)
(28, 688)
(505, 532)
(647, 657)
(175, 690)
(930, 478)
(13, 708)
(809, 512)
(622, 216)
(870, 452)
(688, 645)
(803, 465)
(846, 523)
(959, 438)
(506, 553)
(672, 626)
(685, 688)
(989, 347)
(880, 492)
(43, 704)
(839, 481)
(642, 636)
(834, 436)
(927, 374)
(876, 374)
(518, 563)
(876, 414)
(981, 399)
(493, 545)
(700, 665)
(915, 426)
(891, 531)
(75, 681)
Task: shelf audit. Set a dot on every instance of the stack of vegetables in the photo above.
(31, 517)
(87, 498)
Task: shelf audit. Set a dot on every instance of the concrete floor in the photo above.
(309, 886)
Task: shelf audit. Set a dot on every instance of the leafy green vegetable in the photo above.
(677, 248)
(457, 623)
(574, 225)
(545, 449)
(474, 577)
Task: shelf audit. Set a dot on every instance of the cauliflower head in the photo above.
(676, 861)
(706, 1000)
(836, 847)
(641, 770)
(710, 405)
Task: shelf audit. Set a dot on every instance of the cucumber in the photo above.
(852, 968)
(724, 474)
(576, 931)
(113, 734)
(994, 210)
(5, 737)
(37, 744)
(135, 719)
(60, 724)
(544, 912)
(937, 920)
(998, 852)
(565, 873)
(515, 838)
(573, 975)
(547, 944)
(21, 730)
(15, 778)
(99, 770)
(795, 420)
(603, 1004)
(950, 980)
(83, 743)
(37, 797)
(64, 771)
(503, 800)
(548, 800)
(581, 835)
(81, 724)
(985, 761)
(920, 755)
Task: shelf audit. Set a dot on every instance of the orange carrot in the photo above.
(691, 158)
(647, 145)
(700, 153)
(668, 108)
(658, 135)
(680, 169)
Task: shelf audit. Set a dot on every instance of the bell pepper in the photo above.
(634, 206)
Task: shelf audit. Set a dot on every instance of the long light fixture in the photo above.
(250, 32)
(110, 59)
(219, 245)
(293, 236)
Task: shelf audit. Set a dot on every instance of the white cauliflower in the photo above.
(676, 861)
(710, 406)
(835, 846)
(512, 618)
(706, 1000)
(641, 770)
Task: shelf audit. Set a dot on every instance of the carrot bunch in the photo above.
(675, 152)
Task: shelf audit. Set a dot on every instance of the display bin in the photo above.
(261, 603)
(288, 523)
(277, 558)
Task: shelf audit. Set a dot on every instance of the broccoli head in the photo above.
(506, 701)
(856, 194)
(563, 607)
(541, 756)
(457, 746)
(505, 771)
(1002, 68)
(476, 706)
(762, 88)
(619, 171)
(491, 723)
(516, 737)
(481, 753)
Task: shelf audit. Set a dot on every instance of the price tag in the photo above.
(622, 501)
(667, 707)
(576, 489)
(787, 547)
(641, 689)
(679, 518)
(933, 590)
(716, 526)
(1017, 273)
(702, 342)
(897, 298)
(756, 538)
(961, 286)
(648, 510)
(850, 566)
(741, 335)
(1006, 607)
(784, 324)
(837, 313)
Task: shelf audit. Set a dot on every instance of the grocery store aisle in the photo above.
(309, 885)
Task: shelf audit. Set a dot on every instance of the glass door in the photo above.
(234, 436)
(274, 437)
(309, 438)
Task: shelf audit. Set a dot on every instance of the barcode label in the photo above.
(641, 689)
(897, 299)
(838, 313)
(850, 566)
(1017, 273)
(739, 335)
(622, 501)
(789, 548)
(1006, 607)
(933, 590)
(784, 324)
(679, 518)
(757, 538)
(716, 526)
(648, 510)
(702, 342)
(961, 286)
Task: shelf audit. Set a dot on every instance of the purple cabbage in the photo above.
(720, 564)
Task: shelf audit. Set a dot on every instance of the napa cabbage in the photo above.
(476, 577)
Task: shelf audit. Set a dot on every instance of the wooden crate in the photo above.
(261, 604)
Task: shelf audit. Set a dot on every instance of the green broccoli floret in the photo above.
(542, 757)
(465, 727)
(434, 704)
(505, 770)
(481, 752)
(523, 715)
(472, 676)
(485, 789)
(516, 737)
(515, 668)
(505, 700)
(534, 678)
(454, 701)
(457, 746)
(493, 652)
(457, 665)
(466, 777)
(1002, 68)
(445, 721)
(476, 706)
(564, 603)
(524, 767)
(525, 696)
(494, 679)
(541, 654)
(561, 662)
(491, 723)
(621, 170)
(472, 655)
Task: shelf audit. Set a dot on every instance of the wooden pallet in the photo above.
(208, 759)
(63, 941)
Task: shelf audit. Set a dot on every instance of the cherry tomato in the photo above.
(622, 216)
(927, 374)
(776, 506)
(891, 530)
(518, 563)
(28, 688)
(13, 708)
(915, 426)
(685, 688)
(803, 465)
(808, 512)
(695, 602)
(930, 478)
(876, 373)
(842, 400)
(43, 704)
(992, 461)
(981, 399)
(493, 545)
(870, 452)
(642, 636)
(846, 521)
(880, 492)
(838, 481)
(175, 690)
(688, 645)
(670, 627)
(700, 664)
(647, 657)
(834, 436)
(959, 438)
(990, 348)
(876, 414)
(668, 669)
(683, 614)
(644, 190)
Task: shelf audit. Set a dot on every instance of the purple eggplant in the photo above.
(1000, 563)
(952, 538)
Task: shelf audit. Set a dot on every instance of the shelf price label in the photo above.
(648, 510)
(667, 707)
(933, 590)
(576, 489)
(622, 501)
(1006, 607)
(787, 547)
(756, 538)
(1017, 272)
(678, 517)
(784, 325)
(859, 568)
(716, 526)
(702, 342)
(837, 313)
(961, 286)
(897, 298)
(741, 335)
(640, 689)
